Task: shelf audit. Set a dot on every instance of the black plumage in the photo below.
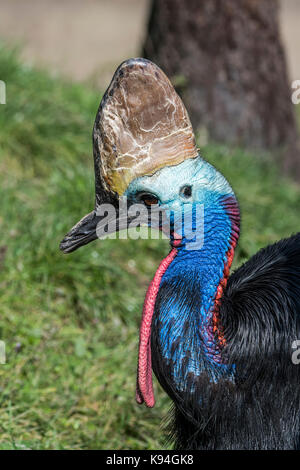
(260, 317)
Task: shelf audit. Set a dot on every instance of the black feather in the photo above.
(260, 316)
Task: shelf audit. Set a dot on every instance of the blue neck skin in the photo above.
(185, 304)
(185, 318)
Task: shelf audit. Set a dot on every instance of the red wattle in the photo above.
(144, 386)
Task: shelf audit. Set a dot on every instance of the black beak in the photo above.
(81, 234)
(90, 227)
(100, 223)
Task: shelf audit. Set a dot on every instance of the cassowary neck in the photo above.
(186, 334)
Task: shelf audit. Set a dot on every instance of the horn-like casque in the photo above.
(141, 126)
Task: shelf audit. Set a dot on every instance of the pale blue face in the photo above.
(168, 184)
(180, 188)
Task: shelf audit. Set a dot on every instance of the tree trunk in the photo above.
(226, 60)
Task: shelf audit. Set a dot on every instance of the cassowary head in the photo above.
(145, 154)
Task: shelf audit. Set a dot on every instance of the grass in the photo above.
(70, 323)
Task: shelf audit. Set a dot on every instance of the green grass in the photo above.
(70, 323)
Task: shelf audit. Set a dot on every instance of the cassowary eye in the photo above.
(149, 199)
(186, 191)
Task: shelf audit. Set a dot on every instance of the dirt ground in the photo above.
(88, 39)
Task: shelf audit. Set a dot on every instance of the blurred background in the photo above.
(70, 323)
(88, 40)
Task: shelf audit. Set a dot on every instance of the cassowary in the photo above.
(220, 346)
